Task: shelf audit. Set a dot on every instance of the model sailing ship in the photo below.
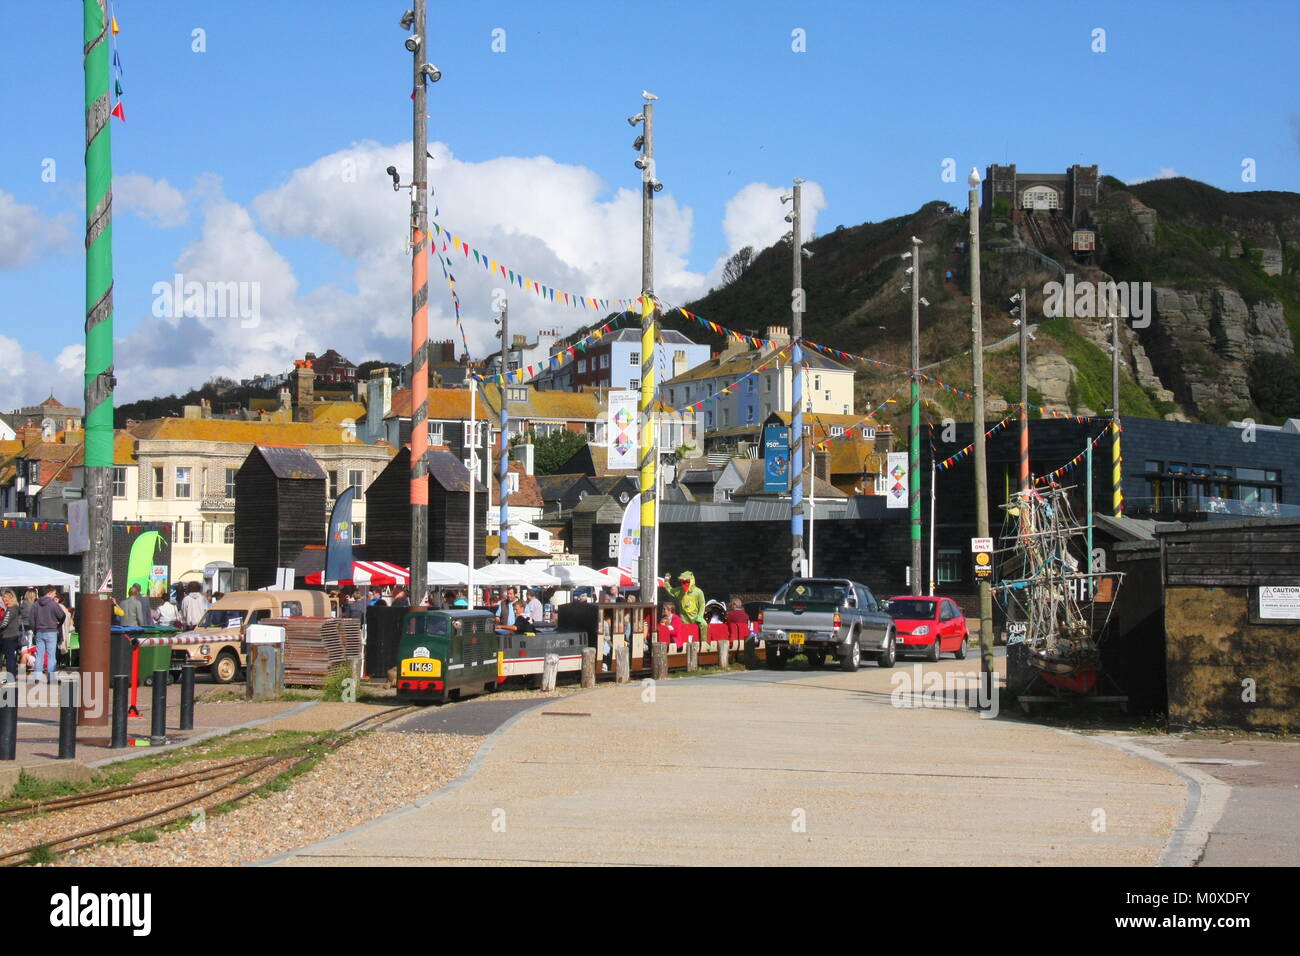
(1046, 585)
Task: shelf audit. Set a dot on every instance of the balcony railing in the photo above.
(217, 504)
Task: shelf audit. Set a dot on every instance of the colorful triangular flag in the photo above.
(118, 112)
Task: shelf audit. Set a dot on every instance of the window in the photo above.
(725, 417)
(184, 482)
(435, 434)
(948, 565)
(635, 359)
(231, 475)
(817, 383)
(332, 484)
(512, 482)
(356, 479)
(710, 420)
(846, 410)
(358, 532)
(291, 609)
(767, 383)
(604, 361)
(184, 532)
(672, 396)
(119, 482)
(228, 535)
(158, 491)
(582, 365)
(688, 393)
(837, 431)
(517, 394)
(749, 414)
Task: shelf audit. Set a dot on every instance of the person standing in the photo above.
(136, 610)
(401, 598)
(47, 621)
(29, 635)
(194, 606)
(506, 610)
(534, 608)
(166, 614)
(11, 631)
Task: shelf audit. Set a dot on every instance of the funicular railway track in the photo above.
(228, 776)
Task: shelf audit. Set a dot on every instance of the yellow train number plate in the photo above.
(797, 637)
(421, 667)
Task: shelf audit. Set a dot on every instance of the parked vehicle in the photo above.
(218, 642)
(445, 654)
(935, 625)
(824, 617)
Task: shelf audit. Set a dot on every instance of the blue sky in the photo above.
(881, 96)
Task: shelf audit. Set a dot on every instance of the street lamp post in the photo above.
(981, 472)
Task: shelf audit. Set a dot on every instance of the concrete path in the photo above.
(776, 769)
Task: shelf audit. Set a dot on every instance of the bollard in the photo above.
(68, 686)
(751, 653)
(622, 664)
(659, 660)
(187, 696)
(724, 647)
(550, 668)
(9, 721)
(158, 732)
(121, 701)
(692, 655)
(588, 667)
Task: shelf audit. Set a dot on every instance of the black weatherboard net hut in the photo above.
(388, 510)
(279, 510)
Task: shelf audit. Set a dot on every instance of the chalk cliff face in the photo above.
(1202, 344)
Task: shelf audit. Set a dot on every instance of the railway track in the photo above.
(236, 772)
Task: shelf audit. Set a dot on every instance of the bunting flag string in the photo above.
(514, 277)
(1078, 459)
(559, 358)
(965, 452)
(769, 364)
(848, 432)
(114, 30)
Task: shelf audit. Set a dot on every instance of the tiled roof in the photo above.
(337, 411)
(514, 549)
(752, 470)
(554, 487)
(853, 457)
(295, 463)
(529, 494)
(451, 404)
(237, 432)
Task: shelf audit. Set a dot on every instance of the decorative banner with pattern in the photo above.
(517, 278)
(1077, 459)
(624, 449)
(896, 480)
(961, 455)
(848, 432)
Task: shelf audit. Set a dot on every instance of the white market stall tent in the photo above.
(24, 574)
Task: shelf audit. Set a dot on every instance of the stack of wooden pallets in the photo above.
(313, 646)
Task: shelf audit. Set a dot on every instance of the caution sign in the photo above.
(982, 555)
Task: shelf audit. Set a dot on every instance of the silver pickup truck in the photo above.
(822, 617)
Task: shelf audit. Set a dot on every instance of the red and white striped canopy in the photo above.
(623, 577)
(377, 573)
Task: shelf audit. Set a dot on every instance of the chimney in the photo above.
(205, 407)
(516, 341)
(304, 387)
(285, 401)
(679, 362)
(192, 411)
(734, 348)
(779, 334)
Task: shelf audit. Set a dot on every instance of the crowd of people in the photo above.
(34, 630)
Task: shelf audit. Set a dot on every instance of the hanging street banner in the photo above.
(338, 546)
(622, 429)
(629, 534)
(776, 458)
(896, 480)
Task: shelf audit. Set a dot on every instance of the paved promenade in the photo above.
(778, 768)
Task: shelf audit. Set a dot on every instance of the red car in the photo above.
(933, 624)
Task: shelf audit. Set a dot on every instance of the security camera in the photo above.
(638, 142)
(789, 218)
(907, 271)
(785, 199)
(640, 163)
(924, 300)
(432, 72)
(807, 253)
(657, 186)
(413, 42)
(408, 20)
(1016, 297)
(907, 255)
(397, 182)
(633, 120)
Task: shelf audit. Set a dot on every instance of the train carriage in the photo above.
(444, 655)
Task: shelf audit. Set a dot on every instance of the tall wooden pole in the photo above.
(1116, 458)
(799, 559)
(99, 380)
(503, 454)
(420, 319)
(914, 445)
(648, 574)
(1024, 390)
(981, 466)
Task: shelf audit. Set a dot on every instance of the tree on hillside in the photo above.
(736, 265)
(553, 450)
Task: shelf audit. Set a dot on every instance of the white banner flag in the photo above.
(896, 480)
(629, 535)
(622, 429)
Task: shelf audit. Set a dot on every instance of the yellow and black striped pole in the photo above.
(648, 565)
(1116, 458)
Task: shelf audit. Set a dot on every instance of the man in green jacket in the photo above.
(690, 601)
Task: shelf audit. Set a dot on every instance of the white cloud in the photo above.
(154, 200)
(556, 222)
(755, 216)
(27, 235)
(27, 378)
(1165, 172)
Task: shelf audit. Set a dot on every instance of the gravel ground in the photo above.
(318, 804)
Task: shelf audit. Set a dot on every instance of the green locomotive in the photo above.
(444, 655)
